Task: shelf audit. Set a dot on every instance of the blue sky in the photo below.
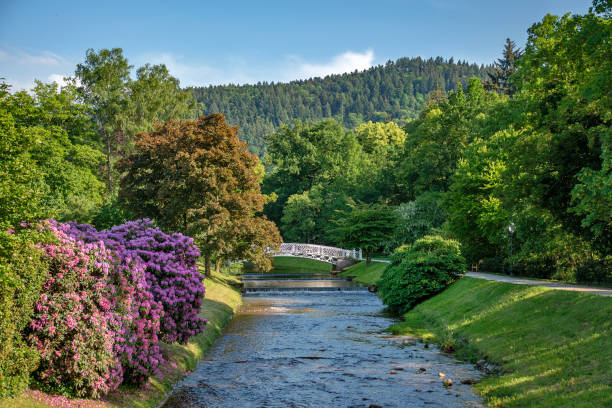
(205, 42)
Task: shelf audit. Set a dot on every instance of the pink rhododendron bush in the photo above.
(109, 298)
(74, 325)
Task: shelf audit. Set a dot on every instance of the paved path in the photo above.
(522, 281)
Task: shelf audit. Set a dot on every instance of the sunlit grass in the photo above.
(554, 347)
(289, 264)
(220, 303)
(365, 274)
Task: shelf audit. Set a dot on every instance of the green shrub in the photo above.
(419, 271)
(22, 273)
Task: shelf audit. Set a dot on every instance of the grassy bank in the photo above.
(554, 348)
(219, 305)
(365, 274)
(289, 264)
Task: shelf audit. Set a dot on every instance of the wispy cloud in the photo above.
(348, 61)
(45, 58)
(21, 68)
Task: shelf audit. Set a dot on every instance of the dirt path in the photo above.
(522, 281)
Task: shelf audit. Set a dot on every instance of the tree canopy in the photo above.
(197, 177)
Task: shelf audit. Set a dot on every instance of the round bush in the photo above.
(419, 271)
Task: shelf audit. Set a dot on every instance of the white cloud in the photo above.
(23, 58)
(346, 62)
(20, 68)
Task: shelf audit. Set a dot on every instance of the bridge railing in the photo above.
(316, 251)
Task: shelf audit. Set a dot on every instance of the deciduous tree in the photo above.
(198, 178)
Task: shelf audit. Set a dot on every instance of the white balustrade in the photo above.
(312, 251)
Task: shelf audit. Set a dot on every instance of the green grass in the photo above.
(365, 274)
(554, 347)
(220, 303)
(289, 264)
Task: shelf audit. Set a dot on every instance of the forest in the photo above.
(516, 167)
(395, 91)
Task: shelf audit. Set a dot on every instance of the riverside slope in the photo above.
(553, 347)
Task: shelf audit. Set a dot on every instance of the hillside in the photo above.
(396, 91)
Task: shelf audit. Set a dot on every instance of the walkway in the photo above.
(554, 285)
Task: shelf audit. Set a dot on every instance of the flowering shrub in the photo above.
(137, 341)
(171, 272)
(74, 325)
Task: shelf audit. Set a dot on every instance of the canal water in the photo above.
(319, 341)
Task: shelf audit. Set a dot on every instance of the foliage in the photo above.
(436, 140)
(417, 218)
(74, 325)
(122, 107)
(396, 91)
(196, 176)
(49, 157)
(595, 271)
(137, 341)
(22, 274)
(365, 226)
(500, 79)
(420, 271)
(110, 214)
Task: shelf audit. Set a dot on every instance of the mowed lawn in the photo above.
(554, 348)
(289, 264)
(365, 273)
(221, 301)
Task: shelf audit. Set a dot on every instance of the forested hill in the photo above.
(396, 91)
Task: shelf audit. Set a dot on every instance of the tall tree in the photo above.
(104, 79)
(503, 69)
(122, 107)
(198, 178)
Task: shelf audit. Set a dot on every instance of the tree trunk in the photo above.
(218, 265)
(109, 174)
(207, 266)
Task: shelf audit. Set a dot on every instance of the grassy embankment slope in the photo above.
(554, 348)
(219, 305)
(289, 264)
(365, 274)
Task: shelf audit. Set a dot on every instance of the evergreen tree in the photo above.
(499, 79)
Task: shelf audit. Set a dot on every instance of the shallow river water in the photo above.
(298, 346)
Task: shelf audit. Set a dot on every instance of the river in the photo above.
(316, 341)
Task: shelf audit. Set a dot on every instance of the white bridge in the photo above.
(318, 252)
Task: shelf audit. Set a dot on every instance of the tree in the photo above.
(104, 78)
(365, 226)
(503, 69)
(48, 157)
(197, 177)
(122, 107)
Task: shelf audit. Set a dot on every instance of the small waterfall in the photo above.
(304, 290)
